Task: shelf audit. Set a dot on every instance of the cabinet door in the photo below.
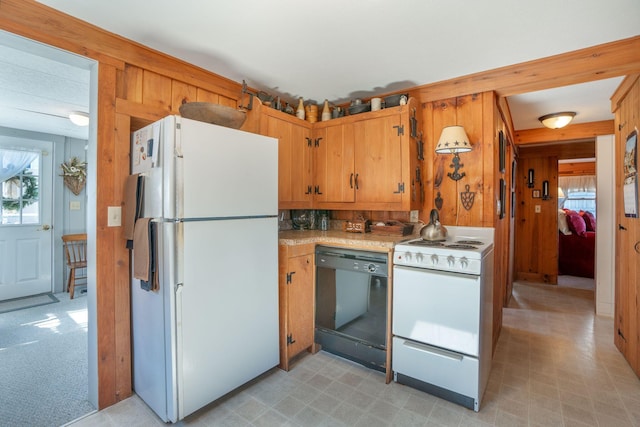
(300, 304)
(334, 157)
(294, 163)
(378, 160)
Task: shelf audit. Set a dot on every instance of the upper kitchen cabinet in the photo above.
(366, 161)
(295, 168)
(334, 156)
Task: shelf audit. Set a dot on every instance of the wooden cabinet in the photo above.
(297, 295)
(366, 161)
(295, 168)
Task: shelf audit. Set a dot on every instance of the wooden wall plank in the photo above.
(181, 93)
(156, 91)
(122, 295)
(106, 277)
(573, 132)
(590, 64)
(576, 168)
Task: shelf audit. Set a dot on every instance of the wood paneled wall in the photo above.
(576, 168)
(536, 233)
(627, 293)
(480, 116)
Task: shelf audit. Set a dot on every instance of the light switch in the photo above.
(538, 209)
(74, 205)
(114, 215)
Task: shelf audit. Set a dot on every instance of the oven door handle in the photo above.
(433, 350)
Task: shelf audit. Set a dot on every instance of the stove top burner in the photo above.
(469, 242)
(460, 246)
(430, 243)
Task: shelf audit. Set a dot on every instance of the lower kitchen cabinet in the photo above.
(296, 287)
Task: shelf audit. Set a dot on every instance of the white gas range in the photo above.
(442, 314)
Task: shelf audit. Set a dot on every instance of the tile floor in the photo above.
(555, 365)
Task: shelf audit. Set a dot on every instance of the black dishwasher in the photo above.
(351, 304)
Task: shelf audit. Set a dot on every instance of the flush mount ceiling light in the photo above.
(557, 120)
(79, 118)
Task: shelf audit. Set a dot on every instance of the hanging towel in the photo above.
(141, 252)
(133, 198)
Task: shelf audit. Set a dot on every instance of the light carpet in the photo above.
(43, 360)
(27, 302)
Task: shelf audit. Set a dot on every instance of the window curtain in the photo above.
(12, 162)
(578, 188)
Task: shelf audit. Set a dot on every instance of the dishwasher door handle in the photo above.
(433, 350)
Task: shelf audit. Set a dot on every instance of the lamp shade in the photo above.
(560, 193)
(79, 118)
(453, 140)
(557, 120)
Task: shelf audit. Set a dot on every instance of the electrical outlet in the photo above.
(538, 209)
(413, 216)
(74, 205)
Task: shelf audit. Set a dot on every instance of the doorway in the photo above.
(46, 118)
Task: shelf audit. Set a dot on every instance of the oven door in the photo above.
(438, 308)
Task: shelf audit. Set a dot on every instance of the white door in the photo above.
(26, 176)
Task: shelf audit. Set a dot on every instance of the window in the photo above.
(580, 193)
(20, 175)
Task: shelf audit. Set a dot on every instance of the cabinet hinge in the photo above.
(290, 339)
(290, 277)
(317, 143)
(400, 129)
(316, 190)
(308, 190)
(309, 142)
(400, 188)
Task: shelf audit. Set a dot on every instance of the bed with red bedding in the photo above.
(577, 250)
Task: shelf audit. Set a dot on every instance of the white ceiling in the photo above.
(339, 50)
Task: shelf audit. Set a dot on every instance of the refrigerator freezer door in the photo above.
(224, 172)
(227, 308)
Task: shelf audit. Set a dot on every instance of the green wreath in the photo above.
(29, 192)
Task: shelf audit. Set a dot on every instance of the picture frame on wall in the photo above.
(630, 178)
(503, 197)
(501, 151)
(535, 194)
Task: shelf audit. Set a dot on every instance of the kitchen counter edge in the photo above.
(335, 237)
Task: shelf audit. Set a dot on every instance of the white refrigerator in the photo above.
(212, 324)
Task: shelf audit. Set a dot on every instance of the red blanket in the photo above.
(576, 255)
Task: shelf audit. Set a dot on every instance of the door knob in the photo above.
(46, 227)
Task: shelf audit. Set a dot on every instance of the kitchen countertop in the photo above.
(337, 237)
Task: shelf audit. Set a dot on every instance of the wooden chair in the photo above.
(75, 248)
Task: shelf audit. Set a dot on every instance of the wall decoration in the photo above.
(467, 197)
(545, 190)
(503, 197)
(501, 151)
(438, 201)
(513, 204)
(74, 174)
(630, 170)
(530, 178)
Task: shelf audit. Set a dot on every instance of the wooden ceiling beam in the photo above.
(599, 62)
(575, 132)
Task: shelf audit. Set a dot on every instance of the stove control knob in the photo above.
(464, 262)
(451, 260)
(407, 256)
(371, 268)
(434, 259)
(419, 257)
